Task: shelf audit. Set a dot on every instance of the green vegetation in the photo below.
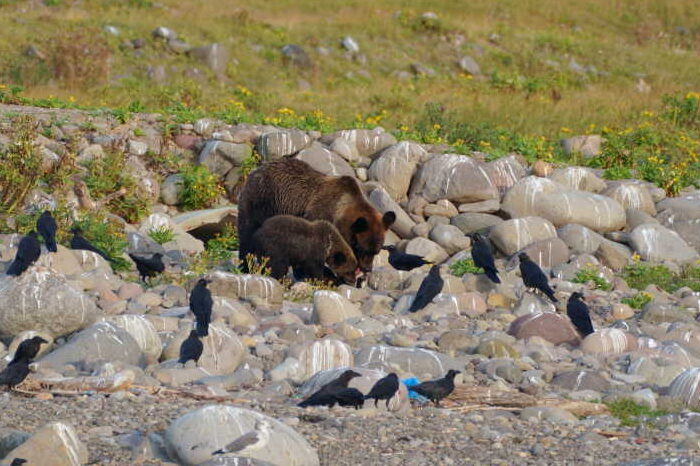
(463, 267)
(20, 165)
(107, 234)
(638, 301)
(161, 235)
(630, 413)
(587, 275)
(640, 275)
(218, 251)
(200, 188)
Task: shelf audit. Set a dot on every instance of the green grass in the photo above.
(640, 275)
(638, 301)
(592, 275)
(630, 413)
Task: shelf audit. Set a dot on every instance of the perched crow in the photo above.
(483, 257)
(326, 395)
(28, 349)
(402, 261)
(578, 313)
(18, 462)
(533, 277)
(200, 305)
(15, 373)
(384, 389)
(191, 348)
(350, 397)
(250, 441)
(429, 288)
(28, 252)
(46, 226)
(436, 390)
(80, 243)
(149, 266)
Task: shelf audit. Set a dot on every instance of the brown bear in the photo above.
(306, 246)
(292, 187)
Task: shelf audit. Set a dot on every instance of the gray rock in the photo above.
(143, 332)
(330, 308)
(427, 249)
(42, 300)
(325, 161)
(214, 56)
(469, 65)
(324, 354)
(594, 211)
(588, 146)
(450, 238)
(162, 32)
(578, 179)
(247, 287)
(11, 439)
(382, 201)
(656, 313)
(350, 44)
(549, 252)
(513, 235)
(631, 195)
(682, 214)
(192, 438)
(473, 222)
(613, 255)
(457, 178)
(220, 157)
(657, 243)
(281, 143)
(547, 413)
(505, 172)
(523, 198)
(171, 188)
(492, 205)
(422, 363)
(295, 55)
(223, 350)
(581, 380)
(686, 387)
(580, 239)
(100, 342)
(395, 166)
(554, 328)
(360, 142)
(55, 443)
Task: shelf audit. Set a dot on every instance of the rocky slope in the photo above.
(271, 343)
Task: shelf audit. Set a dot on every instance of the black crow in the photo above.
(533, 277)
(191, 348)
(325, 396)
(429, 288)
(578, 313)
(350, 397)
(28, 252)
(483, 257)
(149, 266)
(46, 226)
(18, 462)
(384, 389)
(201, 304)
(402, 261)
(15, 373)
(79, 242)
(436, 390)
(28, 349)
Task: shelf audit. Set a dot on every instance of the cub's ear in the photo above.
(339, 258)
(359, 225)
(388, 219)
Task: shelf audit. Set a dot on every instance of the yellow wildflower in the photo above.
(564, 129)
(693, 95)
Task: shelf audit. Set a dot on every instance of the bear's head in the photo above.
(367, 236)
(341, 260)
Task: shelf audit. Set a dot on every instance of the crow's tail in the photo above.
(493, 276)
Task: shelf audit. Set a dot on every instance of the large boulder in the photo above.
(383, 202)
(578, 179)
(594, 211)
(55, 444)
(280, 143)
(361, 142)
(98, 343)
(522, 199)
(420, 362)
(193, 437)
(548, 252)
(682, 214)
(220, 156)
(588, 145)
(331, 308)
(457, 178)
(554, 328)
(657, 243)
(471, 222)
(223, 350)
(580, 239)
(325, 161)
(505, 172)
(254, 288)
(513, 235)
(44, 301)
(143, 331)
(324, 354)
(395, 166)
(631, 195)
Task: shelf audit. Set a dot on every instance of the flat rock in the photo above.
(581, 380)
(457, 178)
(422, 363)
(198, 218)
(599, 213)
(473, 222)
(513, 235)
(554, 328)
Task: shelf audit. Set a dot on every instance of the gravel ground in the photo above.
(425, 436)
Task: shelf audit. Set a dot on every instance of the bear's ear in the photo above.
(388, 219)
(359, 225)
(339, 258)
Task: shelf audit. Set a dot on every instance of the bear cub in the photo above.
(309, 247)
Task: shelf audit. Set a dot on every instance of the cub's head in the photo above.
(367, 236)
(342, 261)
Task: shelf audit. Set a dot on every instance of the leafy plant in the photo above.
(20, 164)
(463, 267)
(640, 275)
(630, 413)
(587, 275)
(200, 188)
(638, 301)
(223, 245)
(617, 173)
(106, 233)
(162, 234)
(250, 163)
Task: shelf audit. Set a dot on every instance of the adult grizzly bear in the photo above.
(306, 246)
(292, 187)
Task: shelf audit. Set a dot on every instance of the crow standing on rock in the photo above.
(533, 277)
(402, 261)
(28, 349)
(429, 288)
(483, 257)
(149, 266)
(436, 390)
(328, 394)
(201, 304)
(191, 348)
(577, 311)
(384, 389)
(79, 242)
(46, 226)
(28, 252)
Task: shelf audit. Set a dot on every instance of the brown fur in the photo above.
(292, 187)
(306, 246)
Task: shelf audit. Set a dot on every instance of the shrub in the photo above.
(106, 233)
(638, 301)
(223, 245)
(20, 164)
(161, 235)
(200, 188)
(463, 267)
(591, 275)
(640, 275)
(630, 413)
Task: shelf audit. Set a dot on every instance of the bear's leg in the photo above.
(278, 267)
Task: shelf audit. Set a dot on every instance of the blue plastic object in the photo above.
(412, 382)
